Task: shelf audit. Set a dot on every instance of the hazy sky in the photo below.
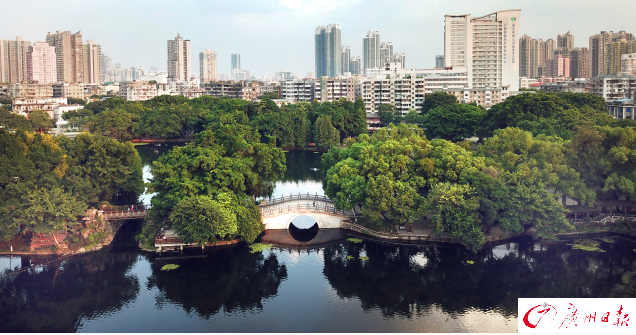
(278, 35)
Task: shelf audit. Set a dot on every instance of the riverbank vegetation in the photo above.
(168, 117)
(534, 150)
(47, 182)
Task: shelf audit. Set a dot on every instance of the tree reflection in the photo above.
(300, 165)
(58, 297)
(230, 280)
(409, 280)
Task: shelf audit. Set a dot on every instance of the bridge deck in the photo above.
(303, 206)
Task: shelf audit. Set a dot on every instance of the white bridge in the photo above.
(279, 213)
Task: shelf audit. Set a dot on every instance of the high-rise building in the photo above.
(179, 66)
(439, 61)
(328, 49)
(207, 65)
(41, 63)
(92, 63)
(558, 66)
(13, 60)
(565, 41)
(107, 63)
(614, 52)
(354, 65)
(69, 51)
(386, 53)
(598, 51)
(579, 67)
(371, 50)
(492, 59)
(345, 57)
(236, 62)
(399, 57)
(531, 56)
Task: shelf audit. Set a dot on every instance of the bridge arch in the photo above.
(289, 222)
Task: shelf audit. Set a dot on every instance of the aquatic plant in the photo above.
(354, 240)
(587, 245)
(169, 267)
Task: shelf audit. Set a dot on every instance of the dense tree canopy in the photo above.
(453, 122)
(437, 99)
(46, 181)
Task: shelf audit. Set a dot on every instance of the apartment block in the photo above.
(207, 66)
(558, 67)
(487, 46)
(615, 51)
(354, 65)
(13, 60)
(334, 89)
(613, 87)
(628, 63)
(579, 67)
(247, 90)
(299, 90)
(598, 52)
(141, 90)
(371, 51)
(92, 63)
(179, 59)
(345, 56)
(41, 63)
(328, 50)
(69, 51)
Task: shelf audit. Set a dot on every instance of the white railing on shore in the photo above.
(317, 207)
(293, 197)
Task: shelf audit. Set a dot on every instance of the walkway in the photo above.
(125, 212)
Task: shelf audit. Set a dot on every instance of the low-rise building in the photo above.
(247, 90)
(59, 110)
(613, 87)
(25, 105)
(141, 90)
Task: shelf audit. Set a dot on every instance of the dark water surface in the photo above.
(332, 287)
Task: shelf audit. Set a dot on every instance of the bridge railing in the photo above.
(125, 208)
(310, 207)
(125, 214)
(292, 197)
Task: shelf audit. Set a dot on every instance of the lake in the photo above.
(337, 286)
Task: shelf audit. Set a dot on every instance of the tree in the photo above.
(269, 95)
(202, 219)
(454, 212)
(76, 101)
(453, 122)
(388, 114)
(115, 123)
(40, 120)
(413, 117)
(10, 120)
(48, 209)
(102, 105)
(325, 134)
(152, 82)
(437, 99)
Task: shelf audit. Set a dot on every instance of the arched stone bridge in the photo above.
(280, 212)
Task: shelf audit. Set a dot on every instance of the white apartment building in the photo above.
(487, 46)
(24, 106)
(299, 89)
(613, 87)
(207, 65)
(142, 90)
(179, 64)
(628, 63)
(406, 88)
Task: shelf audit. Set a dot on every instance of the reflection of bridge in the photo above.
(279, 213)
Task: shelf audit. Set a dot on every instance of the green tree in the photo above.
(413, 117)
(454, 212)
(437, 99)
(269, 95)
(10, 120)
(40, 120)
(453, 122)
(115, 123)
(48, 209)
(202, 219)
(76, 101)
(325, 134)
(388, 114)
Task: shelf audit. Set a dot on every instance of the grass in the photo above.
(354, 240)
(258, 247)
(169, 267)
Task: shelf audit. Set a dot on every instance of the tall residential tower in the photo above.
(371, 51)
(328, 48)
(179, 66)
(492, 59)
(207, 65)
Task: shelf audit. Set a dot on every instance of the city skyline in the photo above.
(278, 35)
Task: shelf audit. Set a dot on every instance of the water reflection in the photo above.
(54, 298)
(409, 280)
(227, 280)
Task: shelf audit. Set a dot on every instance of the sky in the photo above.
(278, 35)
